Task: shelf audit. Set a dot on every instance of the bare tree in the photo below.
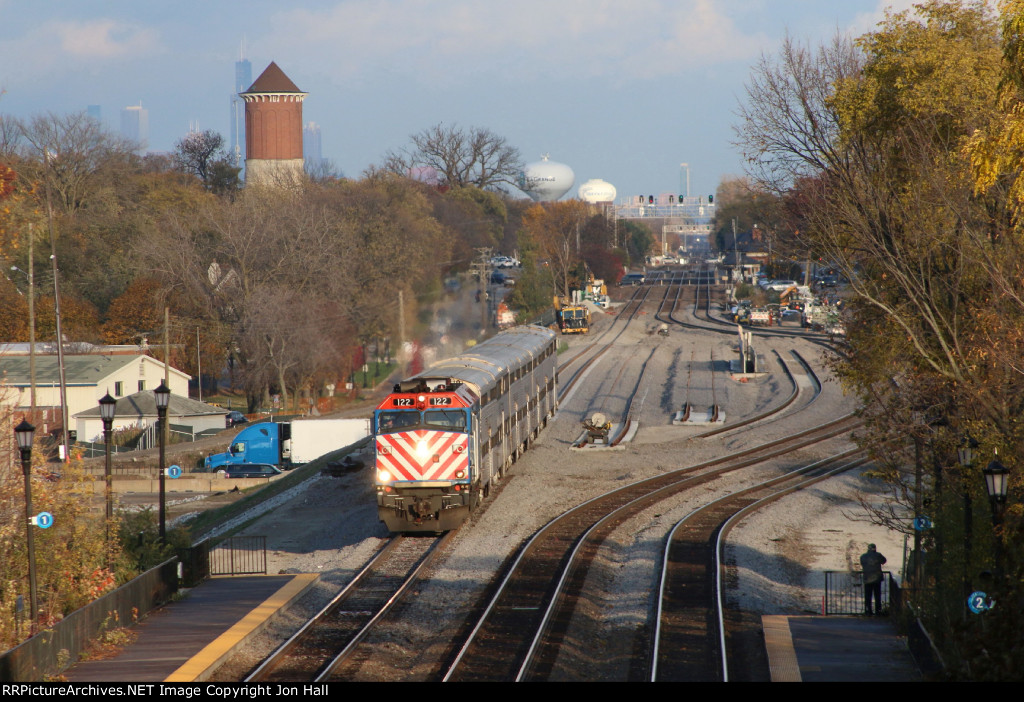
(458, 157)
(68, 152)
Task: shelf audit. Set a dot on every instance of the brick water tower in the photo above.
(273, 129)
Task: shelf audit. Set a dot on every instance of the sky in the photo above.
(624, 91)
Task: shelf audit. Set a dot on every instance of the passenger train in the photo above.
(445, 436)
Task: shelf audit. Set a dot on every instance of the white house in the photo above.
(88, 377)
(139, 410)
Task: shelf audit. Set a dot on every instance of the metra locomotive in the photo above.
(445, 435)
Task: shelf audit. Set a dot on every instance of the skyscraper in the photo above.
(311, 150)
(135, 125)
(243, 79)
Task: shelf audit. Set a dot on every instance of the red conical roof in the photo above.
(273, 80)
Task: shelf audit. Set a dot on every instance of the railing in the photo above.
(51, 651)
(240, 555)
(844, 592)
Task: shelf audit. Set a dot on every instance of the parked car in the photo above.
(251, 470)
(780, 285)
(234, 418)
(632, 279)
(497, 278)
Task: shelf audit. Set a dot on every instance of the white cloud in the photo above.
(57, 50)
(103, 39)
(583, 38)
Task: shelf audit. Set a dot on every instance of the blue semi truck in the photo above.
(288, 444)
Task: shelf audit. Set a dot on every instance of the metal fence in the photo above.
(240, 555)
(844, 592)
(51, 651)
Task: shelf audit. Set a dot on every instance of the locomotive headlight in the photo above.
(422, 450)
(384, 477)
(460, 474)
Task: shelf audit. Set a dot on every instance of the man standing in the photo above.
(871, 563)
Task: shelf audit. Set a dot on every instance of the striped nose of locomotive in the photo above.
(423, 455)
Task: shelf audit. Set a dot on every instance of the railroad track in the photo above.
(520, 630)
(692, 633)
(318, 650)
(628, 313)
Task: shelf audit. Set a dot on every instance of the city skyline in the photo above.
(622, 93)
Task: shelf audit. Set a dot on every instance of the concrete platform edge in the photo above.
(778, 641)
(201, 666)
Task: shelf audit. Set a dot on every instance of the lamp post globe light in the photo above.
(163, 398)
(25, 433)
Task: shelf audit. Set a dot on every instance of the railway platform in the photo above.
(188, 638)
(837, 649)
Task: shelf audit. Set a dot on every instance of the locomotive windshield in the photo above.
(392, 420)
(449, 419)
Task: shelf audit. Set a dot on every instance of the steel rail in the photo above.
(427, 560)
(275, 658)
(727, 527)
(306, 636)
(714, 573)
(656, 484)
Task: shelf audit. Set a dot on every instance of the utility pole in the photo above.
(32, 320)
(736, 253)
(199, 365)
(167, 347)
(482, 269)
(401, 324)
(56, 310)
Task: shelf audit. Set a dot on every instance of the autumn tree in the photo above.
(556, 228)
(897, 150)
(746, 203)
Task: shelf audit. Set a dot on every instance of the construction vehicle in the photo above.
(572, 318)
(597, 428)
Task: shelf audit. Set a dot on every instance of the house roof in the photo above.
(143, 404)
(79, 370)
(273, 80)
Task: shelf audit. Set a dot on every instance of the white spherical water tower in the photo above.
(596, 190)
(546, 181)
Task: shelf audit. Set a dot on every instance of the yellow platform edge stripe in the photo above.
(203, 664)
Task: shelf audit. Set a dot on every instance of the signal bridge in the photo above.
(687, 218)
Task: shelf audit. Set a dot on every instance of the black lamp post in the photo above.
(108, 406)
(965, 455)
(996, 478)
(163, 397)
(25, 432)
